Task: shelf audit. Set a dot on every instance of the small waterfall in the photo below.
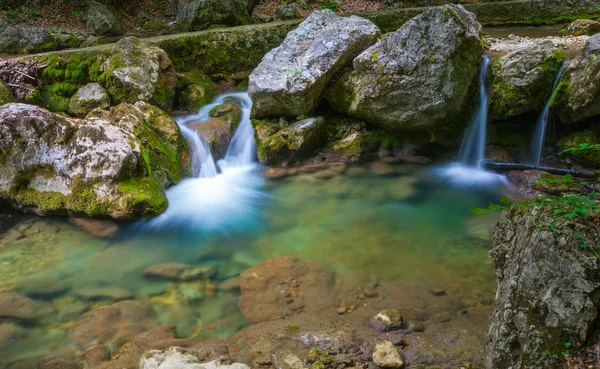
(539, 135)
(472, 150)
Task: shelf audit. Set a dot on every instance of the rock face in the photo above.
(521, 81)
(292, 77)
(5, 95)
(582, 27)
(284, 286)
(291, 144)
(101, 19)
(418, 78)
(547, 287)
(88, 98)
(577, 96)
(180, 358)
(200, 14)
(21, 40)
(96, 167)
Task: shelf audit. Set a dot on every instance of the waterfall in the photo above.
(472, 149)
(539, 134)
(211, 201)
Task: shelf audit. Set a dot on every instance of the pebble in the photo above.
(437, 291)
(385, 355)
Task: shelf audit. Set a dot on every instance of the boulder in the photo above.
(588, 157)
(284, 286)
(25, 39)
(88, 98)
(193, 15)
(101, 19)
(219, 130)
(582, 27)
(21, 308)
(387, 320)
(522, 81)
(419, 78)
(181, 358)
(112, 163)
(294, 143)
(577, 96)
(110, 325)
(291, 78)
(5, 95)
(548, 281)
(180, 272)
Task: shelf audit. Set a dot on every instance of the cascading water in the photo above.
(213, 201)
(539, 135)
(472, 149)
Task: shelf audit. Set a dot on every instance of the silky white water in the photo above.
(224, 202)
(539, 135)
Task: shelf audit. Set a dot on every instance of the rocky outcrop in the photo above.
(88, 98)
(5, 95)
(292, 77)
(25, 39)
(195, 15)
(548, 281)
(521, 81)
(577, 96)
(113, 163)
(101, 19)
(582, 27)
(284, 286)
(419, 78)
(291, 144)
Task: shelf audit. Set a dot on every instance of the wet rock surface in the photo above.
(20, 308)
(180, 272)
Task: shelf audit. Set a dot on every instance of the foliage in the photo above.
(25, 13)
(77, 13)
(582, 147)
(505, 204)
(331, 5)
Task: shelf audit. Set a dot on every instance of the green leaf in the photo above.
(479, 211)
(545, 353)
(505, 200)
(567, 344)
(581, 211)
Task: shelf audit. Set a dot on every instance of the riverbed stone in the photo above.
(88, 98)
(291, 78)
(102, 293)
(285, 286)
(60, 362)
(5, 95)
(195, 15)
(419, 78)
(386, 355)
(10, 332)
(547, 287)
(292, 144)
(582, 27)
(20, 308)
(521, 81)
(101, 19)
(180, 272)
(577, 96)
(387, 320)
(93, 167)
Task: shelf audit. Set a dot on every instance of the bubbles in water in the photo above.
(465, 176)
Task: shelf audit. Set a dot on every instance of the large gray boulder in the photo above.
(521, 81)
(200, 14)
(25, 39)
(548, 281)
(418, 78)
(292, 77)
(88, 98)
(111, 164)
(101, 19)
(577, 96)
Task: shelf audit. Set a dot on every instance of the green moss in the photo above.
(293, 328)
(145, 196)
(562, 93)
(194, 90)
(155, 26)
(589, 157)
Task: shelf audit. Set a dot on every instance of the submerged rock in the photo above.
(88, 98)
(103, 293)
(522, 80)
(418, 78)
(113, 163)
(180, 272)
(385, 355)
(101, 19)
(200, 14)
(577, 96)
(292, 77)
(21, 308)
(548, 282)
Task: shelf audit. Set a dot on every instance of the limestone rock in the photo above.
(180, 272)
(101, 19)
(92, 167)
(419, 78)
(284, 286)
(25, 39)
(200, 14)
(294, 143)
(385, 355)
(577, 96)
(180, 358)
(21, 308)
(5, 95)
(88, 98)
(547, 287)
(582, 27)
(387, 320)
(521, 81)
(292, 77)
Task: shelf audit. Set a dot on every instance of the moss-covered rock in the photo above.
(522, 81)
(25, 39)
(582, 27)
(5, 95)
(589, 157)
(194, 15)
(110, 164)
(194, 90)
(101, 19)
(88, 98)
(294, 143)
(219, 130)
